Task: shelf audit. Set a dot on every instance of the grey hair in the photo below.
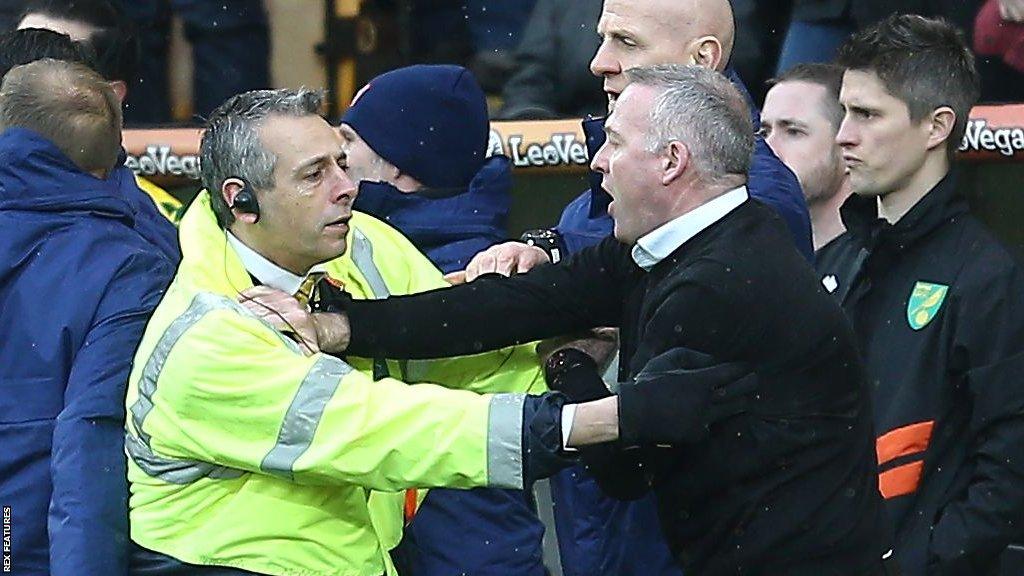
(68, 104)
(231, 145)
(703, 110)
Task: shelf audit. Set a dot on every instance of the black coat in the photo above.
(938, 308)
(778, 478)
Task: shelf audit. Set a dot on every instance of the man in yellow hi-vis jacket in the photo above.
(250, 452)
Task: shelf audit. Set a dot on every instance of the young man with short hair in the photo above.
(935, 301)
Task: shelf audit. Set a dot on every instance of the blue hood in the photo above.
(449, 226)
(35, 176)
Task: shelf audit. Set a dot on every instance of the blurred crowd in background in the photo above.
(530, 56)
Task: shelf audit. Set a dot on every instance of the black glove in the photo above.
(575, 374)
(329, 298)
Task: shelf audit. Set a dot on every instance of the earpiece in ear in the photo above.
(245, 201)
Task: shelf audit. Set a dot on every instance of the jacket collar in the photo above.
(661, 242)
(208, 263)
(938, 206)
(593, 129)
(36, 176)
(482, 206)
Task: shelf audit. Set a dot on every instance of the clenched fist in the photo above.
(505, 259)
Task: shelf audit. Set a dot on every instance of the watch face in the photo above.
(546, 240)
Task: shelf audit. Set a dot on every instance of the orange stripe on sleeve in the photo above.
(901, 480)
(904, 441)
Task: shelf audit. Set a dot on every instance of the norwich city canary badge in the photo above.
(924, 304)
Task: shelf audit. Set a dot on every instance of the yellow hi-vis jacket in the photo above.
(381, 262)
(245, 452)
(169, 206)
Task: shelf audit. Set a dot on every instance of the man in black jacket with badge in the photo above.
(935, 300)
(742, 402)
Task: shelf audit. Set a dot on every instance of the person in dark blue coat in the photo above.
(26, 45)
(79, 275)
(416, 140)
(598, 535)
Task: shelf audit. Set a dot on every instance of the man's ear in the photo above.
(229, 191)
(706, 52)
(940, 126)
(675, 161)
(120, 88)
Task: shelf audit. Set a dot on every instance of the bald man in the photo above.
(699, 32)
(637, 33)
(597, 535)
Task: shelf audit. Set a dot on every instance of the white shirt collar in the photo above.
(268, 273)
(657, 244)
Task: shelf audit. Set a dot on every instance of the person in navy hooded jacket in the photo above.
(416, 140)
(597, 535)
(81, 269)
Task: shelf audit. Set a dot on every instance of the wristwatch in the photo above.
(550, 241)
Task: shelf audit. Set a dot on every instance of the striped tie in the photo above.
(308, 288)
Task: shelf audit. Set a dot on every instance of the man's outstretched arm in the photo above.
(585, 292)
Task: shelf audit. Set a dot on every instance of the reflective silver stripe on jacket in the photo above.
(303, 415)
(138, 448)
(174, 471)
(505, 441)
(203, 303)
(362, 257)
